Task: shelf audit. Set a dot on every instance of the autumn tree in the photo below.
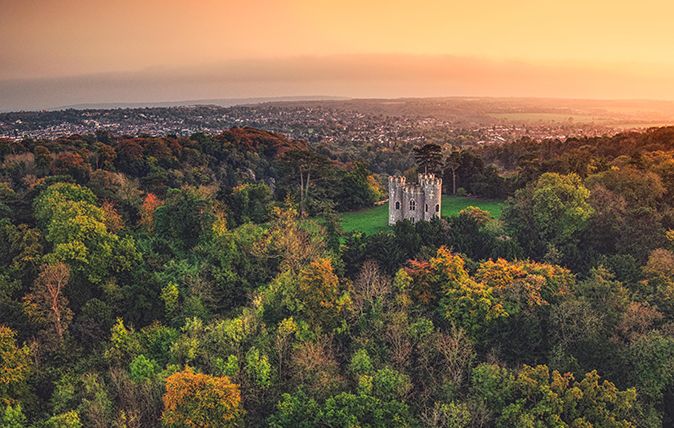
(464, 301)
(286, 244)
(69, 419)
(314, 365)
(425, 287)
(522, 285)
(71, 163)
(197, 400)
(112, 219)
(47, 304)
(147, 209)
(318, 291)
(370, 288)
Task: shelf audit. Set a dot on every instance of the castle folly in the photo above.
(414, 202)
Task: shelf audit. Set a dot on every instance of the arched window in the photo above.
(426, 207)
(413, 205)
(437, 208)
(397, 205)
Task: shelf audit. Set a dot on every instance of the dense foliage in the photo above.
(204, 281)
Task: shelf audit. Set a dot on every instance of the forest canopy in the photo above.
(204, 281)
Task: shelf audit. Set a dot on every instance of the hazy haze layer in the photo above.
(73, 51)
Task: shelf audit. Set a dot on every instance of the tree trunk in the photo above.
(301, 193)
(306, 190)
(54, 291)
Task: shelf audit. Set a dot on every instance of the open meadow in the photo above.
(372, 220)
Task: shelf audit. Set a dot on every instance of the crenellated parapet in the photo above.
(428, 179)
(397, 180)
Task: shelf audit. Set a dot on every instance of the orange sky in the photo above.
(630, 42)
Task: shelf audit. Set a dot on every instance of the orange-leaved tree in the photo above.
(199, 400)
(150, 204)
(522, 285)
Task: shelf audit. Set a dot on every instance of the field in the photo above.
(545, 117)
(372, 220)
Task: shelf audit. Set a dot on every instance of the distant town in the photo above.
(380, 123)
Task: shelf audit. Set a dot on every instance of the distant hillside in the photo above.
(492, 110)
(220, 102)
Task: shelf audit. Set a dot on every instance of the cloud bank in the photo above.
(359, 76)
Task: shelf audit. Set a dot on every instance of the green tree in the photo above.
(657, 287)
(450, 415)
(251, 203)
(534, 396)
(428, 157)
(358, 189)
(76, 228)
(69, 419)
(14, 366)
(453, 163)
(143, 368)
(549, 214)
(13, 417)
(186, 217)
(352, 410)
(650, 366)
(560, 206)
(295, 410)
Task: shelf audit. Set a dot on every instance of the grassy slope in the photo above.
(372, 220)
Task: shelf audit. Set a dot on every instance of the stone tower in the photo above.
(414, 202)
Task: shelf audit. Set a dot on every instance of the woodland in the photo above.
(205, 281)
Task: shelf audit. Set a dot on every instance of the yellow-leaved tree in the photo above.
(14, 366)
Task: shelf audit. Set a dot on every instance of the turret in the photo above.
(414, 202)
(395, 198)
(432, 195)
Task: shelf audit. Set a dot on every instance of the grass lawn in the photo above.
(372, 220)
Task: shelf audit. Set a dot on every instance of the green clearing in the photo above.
(372, 220)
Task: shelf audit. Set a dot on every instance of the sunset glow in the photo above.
(522, 47)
